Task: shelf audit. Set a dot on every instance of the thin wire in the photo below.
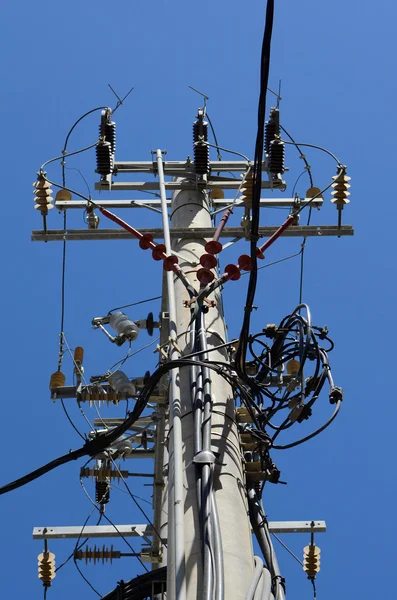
(225, 150)
(287, 549)
(85, 578)
(67, 154)
(215, 138)
(45, 592)
(70, 420)
(82, 177)
(137, 503)
(314, 589)
(336, 159)
(123, 360)
(230, 206)
(275, 262)
(302, 156)
(78, 544)
(108, 519)
(135, 303)
(296, 182)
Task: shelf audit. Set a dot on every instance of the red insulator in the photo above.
(245, 262)
(208, 261)
(213, 247)
(170, 262)
(259, 253)
(146, 241)
(233, 272)
(158, 252)
(205, 276)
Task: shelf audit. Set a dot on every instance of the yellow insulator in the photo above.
(311, 560)
(340, 195)
(63, 196)
(42, 194)
(313, 192)
(46, 562)
(97, 554)
(57, 380)
(293, 367)
(78, 354)
(246, 190)
(217, 194)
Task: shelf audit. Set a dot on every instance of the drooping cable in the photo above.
(257, 186)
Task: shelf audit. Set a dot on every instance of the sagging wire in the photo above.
(121, 362)
(134, 304)
(231, 206)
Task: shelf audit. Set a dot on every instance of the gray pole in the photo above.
(190, 210)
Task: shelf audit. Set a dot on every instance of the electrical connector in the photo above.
(335, 394)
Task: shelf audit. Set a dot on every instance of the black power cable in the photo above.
(257, 186)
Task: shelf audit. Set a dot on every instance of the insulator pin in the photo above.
(57, 379)
(311, 560)
(276, 157)
(42, 194)
(46, 563)
(95, 554)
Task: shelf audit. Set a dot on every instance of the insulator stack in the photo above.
(201, 151)
(272, 129)
(42, 194)
(276, 157)
(311, 560)
(46, 563)
(104, 158)
(99, 395)
(102, 492)
(293, 367)
(95, 554)
(246, 190)
(57, 379)
(340, 193)
(103, 473)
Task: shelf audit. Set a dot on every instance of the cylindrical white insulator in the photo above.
(123, 325)
(121, 384)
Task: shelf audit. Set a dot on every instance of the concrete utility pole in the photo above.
(190, 210)
(204, 497)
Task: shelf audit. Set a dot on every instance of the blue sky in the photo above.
(336, 63)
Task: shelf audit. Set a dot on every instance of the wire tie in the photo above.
(174, 343)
